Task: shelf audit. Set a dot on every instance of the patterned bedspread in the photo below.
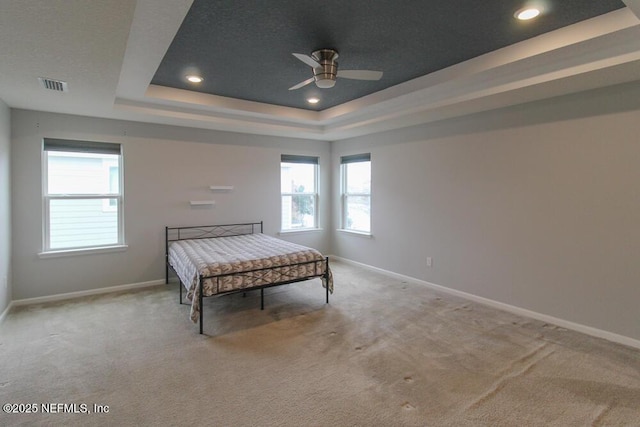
(241, 262)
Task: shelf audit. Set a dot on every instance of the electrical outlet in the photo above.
(429, 261)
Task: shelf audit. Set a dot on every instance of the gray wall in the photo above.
(5, 207)
(164, 168)
(536, 206)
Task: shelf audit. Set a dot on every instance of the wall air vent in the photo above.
(57, 85)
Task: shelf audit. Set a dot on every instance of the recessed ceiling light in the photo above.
(195, 79)
(313, 100)
(527, 13)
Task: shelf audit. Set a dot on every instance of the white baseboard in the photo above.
(599, 333)
(78, 294)
(6, 312)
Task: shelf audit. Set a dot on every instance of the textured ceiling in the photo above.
(243, 48)
(109, 52)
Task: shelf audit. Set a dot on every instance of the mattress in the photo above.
(235, 263)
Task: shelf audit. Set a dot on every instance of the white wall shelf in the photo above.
(202, 202)
(221, 187)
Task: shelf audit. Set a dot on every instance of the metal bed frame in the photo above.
(173, 234)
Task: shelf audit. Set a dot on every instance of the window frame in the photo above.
(344, 162)
(311, 160)
(109, 166)
(80, 147)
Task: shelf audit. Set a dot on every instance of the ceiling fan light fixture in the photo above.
(325, 83)
(313, 100)
(325, 70)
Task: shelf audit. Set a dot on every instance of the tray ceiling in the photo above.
(243, 48)
(127, 59)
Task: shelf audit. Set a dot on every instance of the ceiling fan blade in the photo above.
(301, 84)
(307, 60)
(360, 74)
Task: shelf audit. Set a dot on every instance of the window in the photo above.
(82, 195)
(356, 192)
(299, 191)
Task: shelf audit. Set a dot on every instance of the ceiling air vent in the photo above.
(57, 85)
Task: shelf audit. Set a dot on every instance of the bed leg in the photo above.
(327, 292)
(326, 278)
(201, 305)
(180, 290)
(261, 298)
(166, 255)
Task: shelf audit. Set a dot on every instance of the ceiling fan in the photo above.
(325, 70)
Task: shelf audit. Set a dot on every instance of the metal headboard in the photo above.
(212, 231)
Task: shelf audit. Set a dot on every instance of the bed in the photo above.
(214, 260)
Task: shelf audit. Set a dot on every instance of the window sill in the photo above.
(356, 233)
(300, 231)
(83, 251)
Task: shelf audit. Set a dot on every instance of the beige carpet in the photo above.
(382, 353)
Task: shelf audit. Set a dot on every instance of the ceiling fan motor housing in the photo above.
(325, 76)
